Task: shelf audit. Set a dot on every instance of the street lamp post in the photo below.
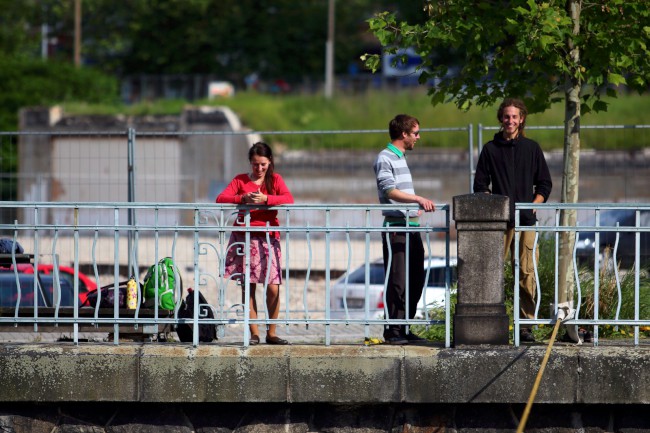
(329, 51)
(77, 33)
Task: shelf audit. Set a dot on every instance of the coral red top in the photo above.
(242, 184)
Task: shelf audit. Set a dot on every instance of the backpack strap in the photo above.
(120, 284)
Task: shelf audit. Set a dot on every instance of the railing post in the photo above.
(480, 317)
(131, 191)
(470, 134)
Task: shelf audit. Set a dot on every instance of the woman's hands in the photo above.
(254, 198)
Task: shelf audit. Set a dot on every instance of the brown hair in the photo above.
(517, 103)
(401, 123)
(263, 149)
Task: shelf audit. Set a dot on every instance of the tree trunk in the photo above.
(570, 176)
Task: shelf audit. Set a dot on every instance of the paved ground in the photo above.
(296, 334)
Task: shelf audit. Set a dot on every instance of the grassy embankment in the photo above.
(373, 110)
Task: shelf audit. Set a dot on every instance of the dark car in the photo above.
(9, 292)
(86, 284)
(625, 251)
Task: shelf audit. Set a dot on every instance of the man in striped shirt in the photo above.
(395, 185)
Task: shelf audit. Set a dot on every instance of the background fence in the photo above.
(609, 155)
(190, 159)
(194, 166)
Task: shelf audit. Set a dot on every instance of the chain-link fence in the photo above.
(190, 159)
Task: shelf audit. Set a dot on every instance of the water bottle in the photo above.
(131, 294)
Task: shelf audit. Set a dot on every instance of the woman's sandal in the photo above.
(255, 339)
(275, 340)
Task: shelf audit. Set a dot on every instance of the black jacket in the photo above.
(515, 168)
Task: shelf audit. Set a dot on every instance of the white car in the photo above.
(355, 290)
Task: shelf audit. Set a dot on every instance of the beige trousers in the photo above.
(527, 283)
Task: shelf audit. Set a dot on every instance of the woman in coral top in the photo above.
(262, 186)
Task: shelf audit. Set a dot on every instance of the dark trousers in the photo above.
(396, 289)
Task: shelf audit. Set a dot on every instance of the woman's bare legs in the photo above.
(253, 308)
(273, 305)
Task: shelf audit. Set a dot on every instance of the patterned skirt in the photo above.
(259, 259)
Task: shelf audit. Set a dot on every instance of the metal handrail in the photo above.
(93, 235)
(587, 265)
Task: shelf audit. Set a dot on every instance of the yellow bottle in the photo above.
(131, 294)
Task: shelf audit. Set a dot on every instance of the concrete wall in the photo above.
(172, 372)
(215, 388)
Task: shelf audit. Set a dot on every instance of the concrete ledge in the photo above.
(54, 373)
(170, 372)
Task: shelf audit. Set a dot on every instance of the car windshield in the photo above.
(623, 218)
(437, 277)
(9, 293)
(358, 276)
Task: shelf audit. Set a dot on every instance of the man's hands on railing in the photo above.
(404, 197)
(426, 204)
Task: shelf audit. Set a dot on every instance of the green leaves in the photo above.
(532, 48)
(371, 61)
(615, 79)
(599, 106)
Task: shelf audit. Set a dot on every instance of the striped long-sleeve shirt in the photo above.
(392, 172)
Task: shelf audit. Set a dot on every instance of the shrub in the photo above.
(28, 82)
(437, 332)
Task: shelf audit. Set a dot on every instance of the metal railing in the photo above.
(607, 260)
(113, 241)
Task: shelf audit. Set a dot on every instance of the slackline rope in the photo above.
(540, 373)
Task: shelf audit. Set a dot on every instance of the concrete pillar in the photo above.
(480, 318)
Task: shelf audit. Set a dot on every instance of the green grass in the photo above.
(373, 110)
(437, 332)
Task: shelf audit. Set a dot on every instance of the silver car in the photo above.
(352, 288)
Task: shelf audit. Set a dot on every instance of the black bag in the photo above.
(208, 331)
(108, 296)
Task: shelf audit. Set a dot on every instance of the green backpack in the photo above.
(169, 280)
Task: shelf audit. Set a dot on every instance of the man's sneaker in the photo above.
(412, 338)
(396, 341)
(584, 335)
(526, 335)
